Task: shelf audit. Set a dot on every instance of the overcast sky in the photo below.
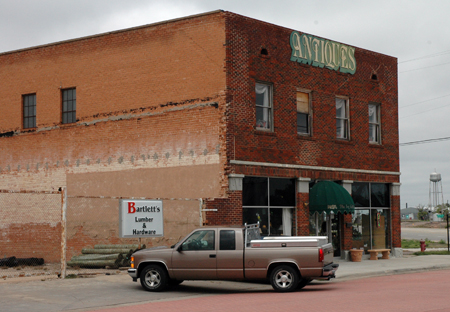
(416, 32)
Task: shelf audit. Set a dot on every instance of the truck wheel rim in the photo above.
(152, 278)
(283, 279)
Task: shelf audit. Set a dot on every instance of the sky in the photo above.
(416, 32)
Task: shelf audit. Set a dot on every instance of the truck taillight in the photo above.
(132, 262)
(320, 255)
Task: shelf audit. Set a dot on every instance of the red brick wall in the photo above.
(302, 214)
(246, 66)
(229, 209)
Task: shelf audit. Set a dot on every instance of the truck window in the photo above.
(200, 240)
(227, 240)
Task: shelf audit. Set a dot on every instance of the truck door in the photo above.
(196, 257)
(230, 264)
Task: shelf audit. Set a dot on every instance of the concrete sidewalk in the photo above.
(408, 264)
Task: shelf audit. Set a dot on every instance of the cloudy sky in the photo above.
(414, 31)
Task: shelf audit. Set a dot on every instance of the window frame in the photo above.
(269, 107)
(376, 124)
(267, 210)
(345, 119)
(68, 115)
(26, 115)
(309, 114)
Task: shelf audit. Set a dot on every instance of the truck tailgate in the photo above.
(328, 253)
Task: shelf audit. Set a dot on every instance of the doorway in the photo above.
(328, 225)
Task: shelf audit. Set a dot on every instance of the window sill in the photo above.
(375, 145)
(305, 137)
(344, 141)
(264, 132)
(66, 125)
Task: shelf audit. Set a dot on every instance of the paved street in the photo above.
(426, 291)
(422, 233)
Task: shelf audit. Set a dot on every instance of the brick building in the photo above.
(225, 118)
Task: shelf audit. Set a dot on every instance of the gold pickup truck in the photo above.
(236, 253)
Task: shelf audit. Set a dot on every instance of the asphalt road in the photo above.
(407, 292)
(423, 233)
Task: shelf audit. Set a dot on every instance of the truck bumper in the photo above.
(329, 271)
(133, 274)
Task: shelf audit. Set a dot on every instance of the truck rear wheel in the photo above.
(284, 278)
(154, 278)
(303, 282)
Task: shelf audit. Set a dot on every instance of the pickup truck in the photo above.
(235, 253)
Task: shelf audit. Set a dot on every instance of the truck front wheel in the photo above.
(284, 278)
(154, 278)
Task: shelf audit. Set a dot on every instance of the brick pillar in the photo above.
(346, 225)
(346, 233)
(395, 216)
(303, 206)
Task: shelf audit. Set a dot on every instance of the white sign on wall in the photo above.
(141, 218)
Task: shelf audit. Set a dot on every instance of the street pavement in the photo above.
(117, 290)
(431, 234)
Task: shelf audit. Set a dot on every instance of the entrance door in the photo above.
(334, 232)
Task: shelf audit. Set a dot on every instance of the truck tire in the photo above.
(174, 282)
(303, 282)
(284, 278)
(154, 278)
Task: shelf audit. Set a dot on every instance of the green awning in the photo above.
(330, 197)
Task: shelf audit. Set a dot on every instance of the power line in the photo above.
(424, 111)
(425, 141)
(426, 56)
(407, 71)
(425, 101)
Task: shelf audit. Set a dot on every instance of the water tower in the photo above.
(436, 195)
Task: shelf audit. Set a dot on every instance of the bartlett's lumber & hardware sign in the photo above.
(321, 53)
(141, 218)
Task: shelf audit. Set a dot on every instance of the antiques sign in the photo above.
(141, 218)
(307, 49)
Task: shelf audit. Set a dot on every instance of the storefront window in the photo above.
(271, 202)
(380, 228)
(371, 225)
(361, 229)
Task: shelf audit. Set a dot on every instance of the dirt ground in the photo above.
(425, 224)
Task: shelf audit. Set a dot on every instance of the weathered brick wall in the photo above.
(149, 98)
(30, 225)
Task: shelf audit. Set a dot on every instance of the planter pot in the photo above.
(356, 254)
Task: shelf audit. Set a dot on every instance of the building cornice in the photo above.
(305, 167)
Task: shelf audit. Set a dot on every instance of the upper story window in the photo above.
(374, 124)
(69, 105)
(342, 120)
(263, 106)
(303, 113)
(29, 111)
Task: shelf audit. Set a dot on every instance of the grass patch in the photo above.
(435, 252)
(71, 276)
(414, 243)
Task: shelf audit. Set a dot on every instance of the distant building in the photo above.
(410, 213)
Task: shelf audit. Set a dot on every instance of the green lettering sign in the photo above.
(307, 49)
